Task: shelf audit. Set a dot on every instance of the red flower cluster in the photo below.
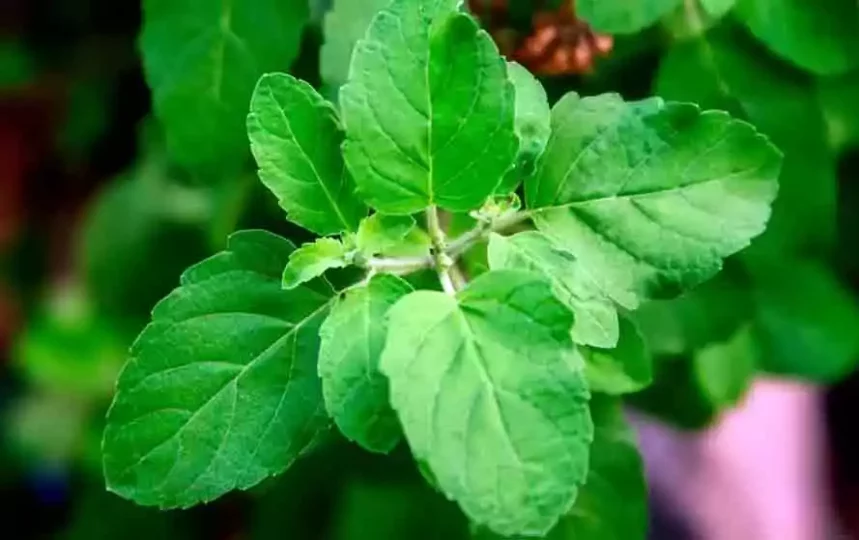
(559, 43)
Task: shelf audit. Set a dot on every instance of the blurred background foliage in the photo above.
(108, 191)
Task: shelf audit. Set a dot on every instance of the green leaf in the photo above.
(221, 390)
(596, 317)
(727, 69)
(533, 127)
(202, 60)
(295, 137)
(429, 110)
(379, 233)
(353, 336)
(806, 322)
(650, 196)
(344, 25)
(498, 365)
(312, 260)
(624, 369)
(624, 16)
(613, 502)
(725, 370)
(821, 36)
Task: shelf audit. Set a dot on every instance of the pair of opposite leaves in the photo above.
(648, 197)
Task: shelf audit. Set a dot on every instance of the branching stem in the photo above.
(446, 253)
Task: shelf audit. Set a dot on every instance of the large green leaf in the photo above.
(624, 16)
(726, 69)
(202, 60)
(623, 369)
(650, 196)
(612, 505)
(492, 396)
(345, 24)
(820, 36)
(295, 137)
(221, 390)
(429, 110)
(596, 317)
(356, 394)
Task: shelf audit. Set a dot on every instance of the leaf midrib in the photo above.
(232, 381)
(334, 205)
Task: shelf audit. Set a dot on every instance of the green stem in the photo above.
(451, 250)
(441, 260)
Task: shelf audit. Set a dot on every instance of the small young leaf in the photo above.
(596, 317)
(379, 233)
(498, 365)
(651, 196)
(345, 24)
(428, 109)
(624, 369)
(202, 60)
(356, 394)
(533, 124)
(793, 30)
(295, 138)
(312, 260)
(624, 16)
(221, 390)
